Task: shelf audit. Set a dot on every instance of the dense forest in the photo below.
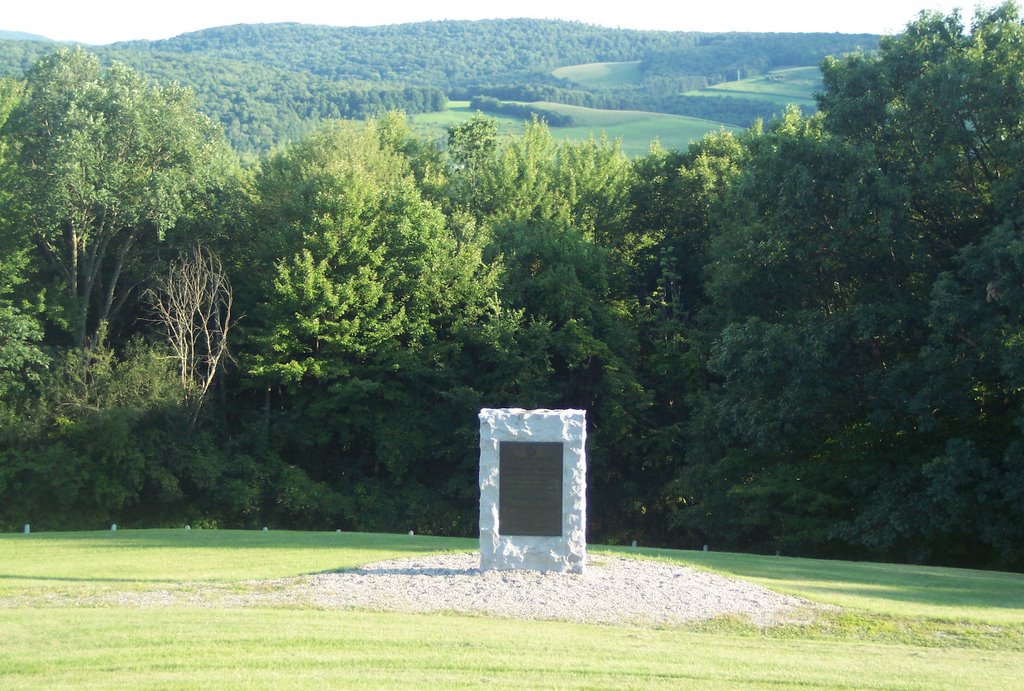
(807, 338)
(270, 84)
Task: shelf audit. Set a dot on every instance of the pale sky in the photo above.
(105, 21)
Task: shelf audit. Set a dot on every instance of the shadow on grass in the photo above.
(947, 596)
(929, 585)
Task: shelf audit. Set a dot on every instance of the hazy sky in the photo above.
(106, 21)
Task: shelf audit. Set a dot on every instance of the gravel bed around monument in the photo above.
(613, 590)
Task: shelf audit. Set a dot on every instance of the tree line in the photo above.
(804, 339)
(523, 111)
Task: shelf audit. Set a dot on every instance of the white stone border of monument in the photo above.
(567, 552)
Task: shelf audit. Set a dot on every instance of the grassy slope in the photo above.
(922, 645)
(602, 74)
(897, 590)
(289, 648)
(636, 129)
(141, 557)
(794, 85)
(781, 87)
(435, 125)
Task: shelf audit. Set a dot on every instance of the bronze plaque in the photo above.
(530, 488)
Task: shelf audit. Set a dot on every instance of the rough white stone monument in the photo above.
(533, 489)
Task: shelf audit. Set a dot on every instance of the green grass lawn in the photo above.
(889, 589)
(139, 557)
(635, 129)
(287, 648)
(903, 627)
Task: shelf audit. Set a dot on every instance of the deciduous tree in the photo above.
(105, 163)
(192, 301)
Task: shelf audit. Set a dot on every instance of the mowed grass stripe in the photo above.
(107, 648)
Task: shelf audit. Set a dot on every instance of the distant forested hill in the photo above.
(454, 54)
(268, 83)
(21, 36)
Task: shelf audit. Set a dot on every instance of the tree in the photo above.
(192, 302)
(969, 393)
(941, 109)
(91, 441)
(105, 163)
(472, 143)
(519, 183)
(351, 243)
(664, 255)
(595, 178)
(20, 330)
(365, 283)
(471, 147)
(805, 307)
(861, 357)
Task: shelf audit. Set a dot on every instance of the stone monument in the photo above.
(533, 489)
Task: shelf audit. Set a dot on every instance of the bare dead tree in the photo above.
(192, 302)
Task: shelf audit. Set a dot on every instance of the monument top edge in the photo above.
(487, 412)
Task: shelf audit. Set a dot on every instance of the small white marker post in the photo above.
(27, 529)
(265, 528)
(113, 527)
(188, 527)
(634, 544)
(410, 533)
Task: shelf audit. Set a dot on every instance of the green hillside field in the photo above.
(86, 610)
(794, 85)
(636, 129)
(602, 74)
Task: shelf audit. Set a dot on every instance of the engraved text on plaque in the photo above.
(530, 494)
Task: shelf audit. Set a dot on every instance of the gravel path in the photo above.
(613, 590)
